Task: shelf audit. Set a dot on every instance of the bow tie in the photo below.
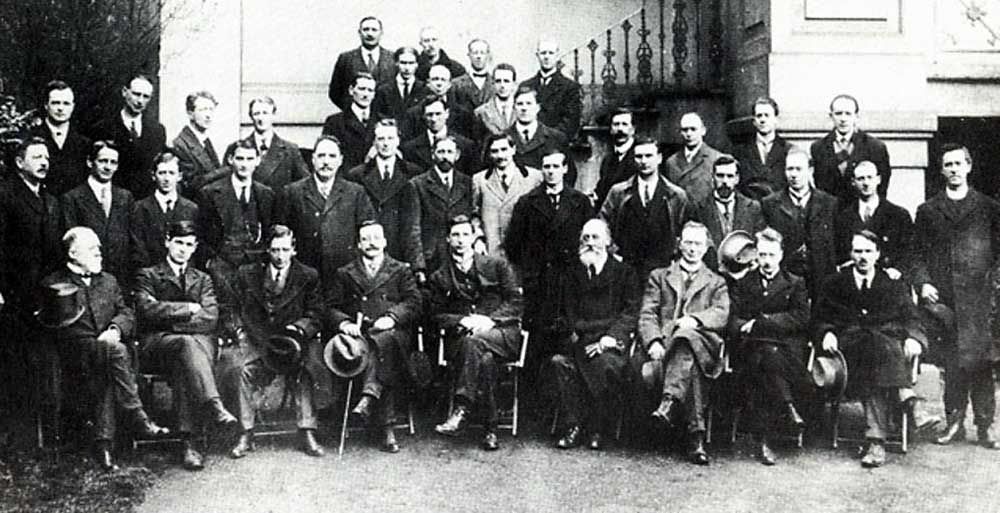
(86, 275)
(480, 75)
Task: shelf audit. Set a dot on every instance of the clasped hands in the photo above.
(657, 351)
(596, 348)
(384, 323)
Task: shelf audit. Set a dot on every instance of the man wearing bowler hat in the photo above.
(274, 318)
(178, 314)
(92, 338)
(872, 320)
(383, 291)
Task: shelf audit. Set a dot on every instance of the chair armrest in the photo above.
(441, 361)
(812, 357)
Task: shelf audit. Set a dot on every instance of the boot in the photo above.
(455, 423)
(697, 454)
(665, 411)
(985, 437)
(921, 419)
(102, 455)
(875, 455)
(364, 407)
(954, 431)
(795, 420)
(219, 414)
(389, 443)
(243, 445)
(192, 459)
(765, 454)
(571, 439)
(308, 443)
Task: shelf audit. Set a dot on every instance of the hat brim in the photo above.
(281, 353)
(340, 371)
(47, 323)
(839, 382)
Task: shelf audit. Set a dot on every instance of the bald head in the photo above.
(692, 130)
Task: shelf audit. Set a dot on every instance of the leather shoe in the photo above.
(665, 412)
(921, 419)
(364, 407)
(309, 445)
(954, 431)
(875, 456)
(102, 454)
(389, 443)
(794, 419)
(697, 454)
(243, 445)
(453, 426)
(219, 414)
(766, 455)
(595, 443)
(490, 441)
(571, 439)
(985, 438)
(191, 457)
(145, 428)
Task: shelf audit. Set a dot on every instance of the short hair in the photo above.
(279, 231)
(165, 156)
(695, 225)
(362, 75)
(22, 149)
(857, 108)
(405, 49)
(947, 148)
(497, 137)
(99, 145)
(795, 150)
(863, 163)
(181, 229)
(387, 123)
(245, 144)
(262, 99)
(523, 90)
(193, 97)
(138, 76)
(54, 85)
(478, 40)
(769, 235)
(726, 160)
(554, 149)
(868, 235)
(369, 222)
(457, 220)
(764, 100)
(644, 140)
(73, 234)
(505, 66)
(369, 18)
(623, 111)
(431, 99)
(447, 138)
(330, 138)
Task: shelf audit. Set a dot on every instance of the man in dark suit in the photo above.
(460, 119)
(559, 97)
(598, 307)
(763, 157)
(691, 167)
(646, 212)
(68, 147)
(475, 88)
(193, 146)
(354, 127)
(281, 161)
(383, 291)
(233, 215)
(836, 154)
(386, 179)
(370, 58)
(496, 115)
(531, 136)
(405, 91)
(618, 164)
(432, 55)
(443, 194)
(178, 314)
(871, 318)
(475, 298)
(153, 214)
(138, 137)
(280, 296)
(868, 211)
(769, 329)
(325, 210)
(104, 208)
(93, 346)
(804, 216)
(726, 210)
(436, 113)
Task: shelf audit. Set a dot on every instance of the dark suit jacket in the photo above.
(541, 239)
(162, 302)
(461, 121)
(437, 206)
(694, 177)
(104, 306)
(418, 151)
(197, 166)
(280, 166)
(396, 207)
(147, 228)
(355, 138)
(30, 247)
(529, 153)
(388, 102)
(67, 166)
(615, 171)
(809, 249)
(747, 216)
(81, 208)
(758, 179)
(496, 295)
(135, 156)
(350, 63)
(780, 312)
(470, 96)
(219, 213)
(424, 65)
(325, 230)
(828, 176)
(891, 222)
(561, 103)
(646, 236)
(607, 304)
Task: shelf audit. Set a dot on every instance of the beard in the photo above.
(92, 265)
(445, 165)
(590, 255)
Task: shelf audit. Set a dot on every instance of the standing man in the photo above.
(691, 167)
(497, 189)
(178, 313)
(837, 153)
(475, 88)
(645, 213)
(763, 158)
(726, 210)
(325, 210)
(618, 164)
(531, 136)
(460, 119)
(279, 297)
(104, 208)
(193, 146)
(496, 115)
(958, 240)
(383, 291)
(804, 216)
(443, 194)
(68, 147)
(868, 211)
(475, 298)
(355, 125)
(395, 97)
(281, 161)
(370, 58)
(559, 97)
(432, 55)
(436, 113)
(139, 138)
(152, 215)
(681, 321)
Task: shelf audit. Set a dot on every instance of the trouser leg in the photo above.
(183, 406)
(115, 358)
(487, 387)
(305, 413)
(372, 385)
(877, 405)
(983, 398)
(569, 388)
(603, 382)
(956, 389)
(682, 381)
(774, 389)
(469, 355)
(104, 410)
(238, 379)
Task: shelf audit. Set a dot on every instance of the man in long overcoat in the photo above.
(497, 189)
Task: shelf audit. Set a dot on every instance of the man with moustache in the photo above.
(383, 291)
(193, 146)
(559, 97)
(497, 189)
(839, 151)
(370, 58)
(475, 88)
(68, 147)
(436, 115)
(354, 126)
(618, 164)
(496, 115)
(868, 211)
(598, 305)
(405, 91)
(281, 161)
(726, 210)
(763, 157)
(153, 214)
(531, 136)
(691, 167)
(443, 194)
(433, 55)
(104, 208)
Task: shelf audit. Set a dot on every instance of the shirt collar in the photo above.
(873, 202)
(359, 112)
(691, 269)
(389, 163)
(858, 278)
(800, 199)
(262, 140)
(621, 150)
(162, 199)
(238, 185)
(35, 188)
(276, 273)
(766, 140)
(600, 263)
(324, 186)
(547, 75)
(174, 267)
(400, 81)
(689, 154)
(771, 277)
(373, 264)
(442, 175)
(849, 137)
(373, 53)
(127, 119)
(97, 187)
(530, 127)
(198, 134)
(464, 263)
(53, 129)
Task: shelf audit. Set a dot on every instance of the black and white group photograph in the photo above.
(726, 256)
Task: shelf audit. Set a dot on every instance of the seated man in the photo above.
(280, 296)
(684, 311)
(178, 314)
(476, 300)
(94, 340)
(871, 318)
(598, 305)
(770, 321)
(384, 291)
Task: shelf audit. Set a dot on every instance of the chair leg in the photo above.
(735, 427)
(347, 412)
(555, 421)
(835, 410)
(409, 417)
(513, 429)
(708, 423)
(619, 423)
(906, 431)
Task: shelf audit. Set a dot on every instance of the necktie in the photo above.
(526, 134)
(210, 150)
(727, 217)
(134, 129)
(504, 183)
(645, 194)
(371, 63)
(106, 201)
(406, 89)
(183, 279)
(263, 147)
(245, 196)
(385, 173)
(447, 182)
(867, 216)
(554, 198)
(170, 206)
(505, 113)
(591, 271)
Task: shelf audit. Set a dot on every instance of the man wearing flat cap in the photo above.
(281, 297)
(384, 292)
(178, 314)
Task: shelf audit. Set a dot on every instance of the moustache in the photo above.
(445, 165)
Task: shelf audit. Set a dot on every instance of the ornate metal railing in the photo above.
(693, 61)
